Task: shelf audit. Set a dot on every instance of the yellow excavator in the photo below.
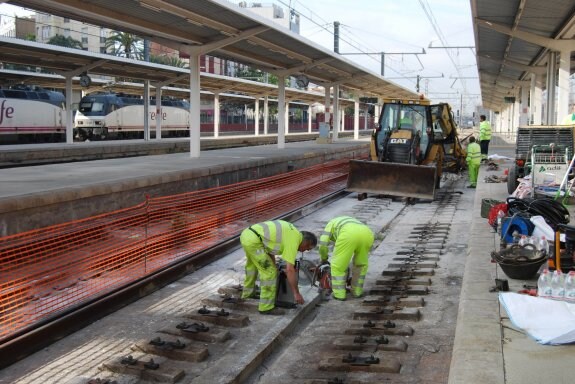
(413, 144)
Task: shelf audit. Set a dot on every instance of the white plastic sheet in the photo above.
(547, 321)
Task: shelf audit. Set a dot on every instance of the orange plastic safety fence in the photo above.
(46, 271)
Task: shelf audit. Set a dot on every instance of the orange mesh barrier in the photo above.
(46, 271)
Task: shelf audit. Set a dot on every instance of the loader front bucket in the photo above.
(392, 179)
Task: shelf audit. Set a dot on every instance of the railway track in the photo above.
(187, 333)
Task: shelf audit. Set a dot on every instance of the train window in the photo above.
(88, 106)
(43, 96)
(33, 95)
(14, 94)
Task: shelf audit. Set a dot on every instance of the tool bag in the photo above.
(284, 294)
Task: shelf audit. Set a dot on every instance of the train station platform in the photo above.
(38, 196)
(488, 348)
(49, 153)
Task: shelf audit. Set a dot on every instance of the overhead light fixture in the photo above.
(150, 6)
(191, 21)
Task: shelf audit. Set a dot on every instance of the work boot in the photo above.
(274, 312)
(337, 298)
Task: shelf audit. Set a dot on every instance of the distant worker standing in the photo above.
(351, 238)
(484, 136)
(473, 161)
(570, 118)
(261, 242)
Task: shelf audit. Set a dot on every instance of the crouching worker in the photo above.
(354, 239)
(261, 243)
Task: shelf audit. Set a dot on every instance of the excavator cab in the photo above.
(408, 150)
(402, 134)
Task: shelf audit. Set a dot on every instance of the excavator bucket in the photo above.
(392, 179)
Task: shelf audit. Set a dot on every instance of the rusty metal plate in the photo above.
(408, 271)
(381, 313)
(212, 336)
(406, 289)
(161, 374)
(402, 280)
(369, 344)
(335, 364)
(164, 347)
(220, 317)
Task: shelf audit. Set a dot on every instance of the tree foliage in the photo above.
(125, 45)
(168, 60)
(65, 41)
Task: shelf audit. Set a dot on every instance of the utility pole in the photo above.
(336, 36)
(383, 56)
(336, 25)
(418, 78)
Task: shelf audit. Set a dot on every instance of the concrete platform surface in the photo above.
(488, 349)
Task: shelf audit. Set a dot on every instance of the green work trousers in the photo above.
(258, 263)
(473, 172)
(355, 241)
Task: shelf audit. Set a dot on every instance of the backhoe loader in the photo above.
(413, 144)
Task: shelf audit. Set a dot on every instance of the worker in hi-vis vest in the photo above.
(261, 243)
(570, 118)
(473, 161)
(484, 136)
(351, 238)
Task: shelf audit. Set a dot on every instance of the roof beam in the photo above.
(190, 17)
(546, 42)
(537, 69)
(218, 44)
(279, 49)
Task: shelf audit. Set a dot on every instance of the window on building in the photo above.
(84, 35)
(67, 32)
(66, 19)
(102, 49)
(102, 36)
(45, 32)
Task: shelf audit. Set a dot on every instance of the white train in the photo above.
(30, 114)
(110, 115)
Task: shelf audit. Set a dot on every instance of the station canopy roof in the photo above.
(121, 71)
(505, 57)
(222, 29)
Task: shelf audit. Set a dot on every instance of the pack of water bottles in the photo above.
(539, 244)
(557, 285)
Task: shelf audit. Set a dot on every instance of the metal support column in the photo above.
(194, 105)
(69, 116)
(281, 112)
(216, 114)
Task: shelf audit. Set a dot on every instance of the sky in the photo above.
(395, 26)
(402, 26)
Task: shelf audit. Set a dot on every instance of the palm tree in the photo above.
(168, 60)
(124, 44)
(65, 41)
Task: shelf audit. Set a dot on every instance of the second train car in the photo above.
(110, 116)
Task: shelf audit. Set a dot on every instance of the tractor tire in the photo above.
(512, 182)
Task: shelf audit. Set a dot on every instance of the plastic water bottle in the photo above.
(570, 287)
(558, 285)
(543, 246)
(544, 284)
(532, 240)
(500, 216)
(523, 241)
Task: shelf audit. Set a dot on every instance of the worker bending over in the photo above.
(351, 238)
(261, 243)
